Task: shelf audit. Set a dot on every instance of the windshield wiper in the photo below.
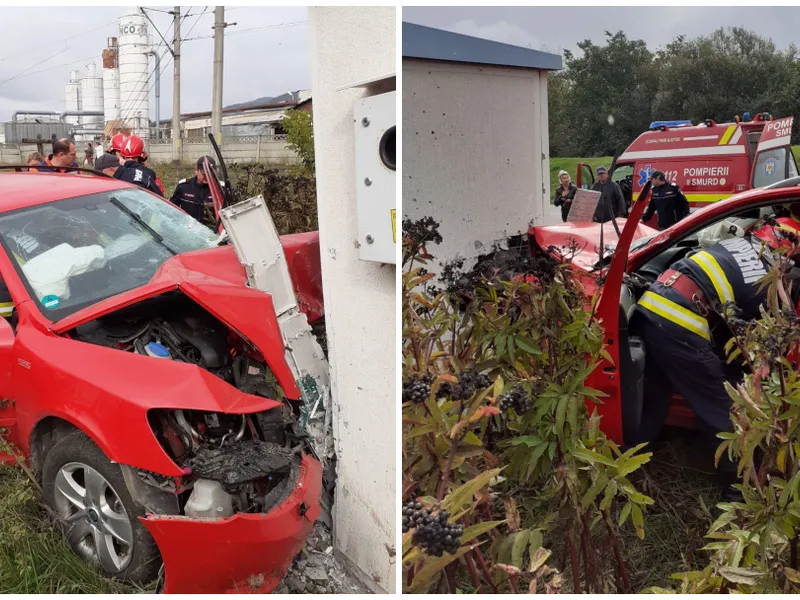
(159, 238)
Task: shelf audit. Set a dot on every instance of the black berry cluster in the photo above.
(516, 399)
(469, 382)
(416, 389)
(431, 533)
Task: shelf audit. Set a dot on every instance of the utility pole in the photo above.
(176, 86)
(216, 94)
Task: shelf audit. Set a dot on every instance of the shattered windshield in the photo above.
(73, 253)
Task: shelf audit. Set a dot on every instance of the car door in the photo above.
(608, 376)
(584, 176)
(773, 160)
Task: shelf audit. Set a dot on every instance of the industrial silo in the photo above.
(134, 83)
(92, 98)
(110, 82)
(72, 92)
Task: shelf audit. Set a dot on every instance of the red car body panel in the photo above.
(107, 393)
(606, 377)
(256, 549)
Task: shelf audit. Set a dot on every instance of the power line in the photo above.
(132, 111)
(58, 42)
(29, 68)
(251, 30)
(56, 67)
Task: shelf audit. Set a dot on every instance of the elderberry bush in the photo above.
(516, 399)
(417, 389)
(432, 533)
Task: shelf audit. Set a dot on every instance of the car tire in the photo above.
(95, 511)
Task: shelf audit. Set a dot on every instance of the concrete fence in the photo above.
(263, 149)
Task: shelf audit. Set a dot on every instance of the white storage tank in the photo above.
(72, 96)
(111, 81)
(133, 45)
(92, 97)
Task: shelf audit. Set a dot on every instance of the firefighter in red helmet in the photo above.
(117, 141)
(677, 317)
(133, 169)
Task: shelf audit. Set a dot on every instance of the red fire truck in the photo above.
(709, 161)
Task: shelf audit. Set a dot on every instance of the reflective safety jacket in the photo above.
(726, 273)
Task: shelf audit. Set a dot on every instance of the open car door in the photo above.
(584, 177)
(773, 160)
(613, 377)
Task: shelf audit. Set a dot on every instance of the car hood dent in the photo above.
(587, 236)
(207, 277)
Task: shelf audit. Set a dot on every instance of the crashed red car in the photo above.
(624, 269)
(147, 385)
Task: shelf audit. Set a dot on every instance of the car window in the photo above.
(772, 166)
(75, 252)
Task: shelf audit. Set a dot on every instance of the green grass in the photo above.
(34, 556)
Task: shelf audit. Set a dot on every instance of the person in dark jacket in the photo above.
(565, 194)
(193, 195)
(676, 319)
(667, 200)
(612, 203)
(132, 170)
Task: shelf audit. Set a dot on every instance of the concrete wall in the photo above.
(268, 151)
(274, 152)
(475, 153)
(349, 45)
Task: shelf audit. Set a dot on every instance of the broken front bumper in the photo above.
(245, 553)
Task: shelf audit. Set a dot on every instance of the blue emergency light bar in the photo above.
(657, 124)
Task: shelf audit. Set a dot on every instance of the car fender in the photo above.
(107, 393)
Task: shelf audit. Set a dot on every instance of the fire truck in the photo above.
(710, 161)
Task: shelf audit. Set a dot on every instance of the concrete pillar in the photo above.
(350, 45)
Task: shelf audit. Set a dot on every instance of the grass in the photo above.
(34, 557)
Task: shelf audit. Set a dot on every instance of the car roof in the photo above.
(25, 189)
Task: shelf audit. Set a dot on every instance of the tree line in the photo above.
(609, 94)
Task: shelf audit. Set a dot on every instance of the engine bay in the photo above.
(231, 462)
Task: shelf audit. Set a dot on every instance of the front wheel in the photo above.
(99, 518)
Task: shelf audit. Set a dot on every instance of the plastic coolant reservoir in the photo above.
(208, 499)
(156, 350)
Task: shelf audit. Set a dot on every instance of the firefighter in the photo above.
(132, 169)
(677, 315)
(610, 193)
(117, 141)
(158, 179)
(193, 195)
(667, 200)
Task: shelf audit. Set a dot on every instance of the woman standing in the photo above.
(565, 193)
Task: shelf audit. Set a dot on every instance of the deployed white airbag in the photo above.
(49, 273)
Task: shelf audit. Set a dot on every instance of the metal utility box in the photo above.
(16, 131)
(375, 120)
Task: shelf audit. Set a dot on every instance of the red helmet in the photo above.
(778, 235)
(117, 142)
(133, 147)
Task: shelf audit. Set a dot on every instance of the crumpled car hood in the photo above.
(587, 235)
(216, 280)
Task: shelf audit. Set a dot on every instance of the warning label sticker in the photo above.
(394, 225)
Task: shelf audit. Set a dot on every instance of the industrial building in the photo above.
(101, 103)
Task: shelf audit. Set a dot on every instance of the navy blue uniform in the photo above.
(136, 173)
(669, 203)
(676, 331)
(192, 197)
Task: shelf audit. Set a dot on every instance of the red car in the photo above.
(629, 264)
(147, 385)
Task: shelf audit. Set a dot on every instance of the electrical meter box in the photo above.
(375, 120)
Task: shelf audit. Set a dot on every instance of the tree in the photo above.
(299, 128)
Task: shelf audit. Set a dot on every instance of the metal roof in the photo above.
(435, 44)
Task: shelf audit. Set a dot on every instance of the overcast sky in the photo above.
(558, 28)
(269, 61)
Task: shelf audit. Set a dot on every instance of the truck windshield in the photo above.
(73, 253)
